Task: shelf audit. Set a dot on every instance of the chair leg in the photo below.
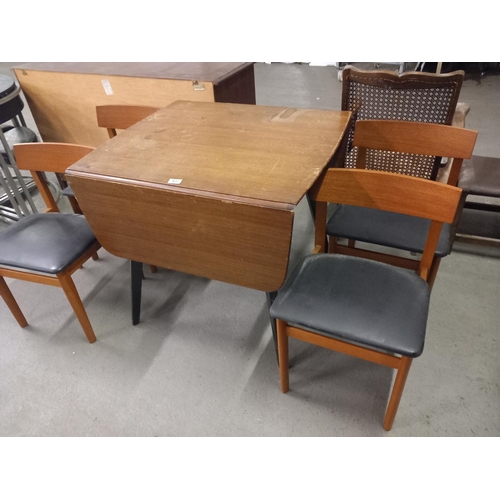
(433, 271)
(351, 244)
(9, 299)
(283, 355)
(71, 292)
(397, 392)
(74, 205)
(332, 244)
(154, 269)
(95, 256)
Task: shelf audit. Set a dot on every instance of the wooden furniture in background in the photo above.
(480, 219)
(47, 248)
(361, 307)
(63, 96)
(208, 188)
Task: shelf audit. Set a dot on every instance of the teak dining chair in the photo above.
(409, 97)
(47, 247)
(378, 227)
(368, 309)
(114, 117)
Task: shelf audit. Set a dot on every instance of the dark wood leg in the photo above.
(136, 282)
(433, 271)
(270, 297)
(74, 205)
(312, 206)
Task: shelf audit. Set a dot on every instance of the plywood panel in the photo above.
(63, 104)
(204, 71)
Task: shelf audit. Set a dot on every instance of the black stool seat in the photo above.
(481, 176)
(358, 300)
(386, 228)
(18, 135)
(46, 243)
(7, 86)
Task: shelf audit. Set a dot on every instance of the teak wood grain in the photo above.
(260, 152)
(62, 96)
(116, 116)
(391, 192)
(243, 169)
(214, 238)
(416, 138)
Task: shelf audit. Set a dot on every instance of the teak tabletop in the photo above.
(208, 188)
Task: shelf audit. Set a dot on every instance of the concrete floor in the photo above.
(202, 362)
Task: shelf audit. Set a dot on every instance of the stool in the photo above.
(16, 192)
(480, 219)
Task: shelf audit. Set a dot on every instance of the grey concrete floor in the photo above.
(202, 362)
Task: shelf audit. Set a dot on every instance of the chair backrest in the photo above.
(121, 116)
(412, 96)
(414, 196)
(48, 157)
(379, 141)
(393, 192)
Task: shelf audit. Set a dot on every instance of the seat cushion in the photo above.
(67, 191)
(481, 176)
(7, 86)
(387, 228)
(357, 300)
(46, 243)
(482, 223)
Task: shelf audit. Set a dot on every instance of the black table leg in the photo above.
(136, 281)
(271, 296)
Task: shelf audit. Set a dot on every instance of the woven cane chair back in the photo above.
(412, 96)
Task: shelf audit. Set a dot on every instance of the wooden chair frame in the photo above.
(371, 189)
(50, 157)
(415, 138)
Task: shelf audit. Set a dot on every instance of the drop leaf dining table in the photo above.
(207, 189)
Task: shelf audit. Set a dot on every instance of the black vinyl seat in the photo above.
(387, 229)
(67, 191)
(45, 243)
(357, 300)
